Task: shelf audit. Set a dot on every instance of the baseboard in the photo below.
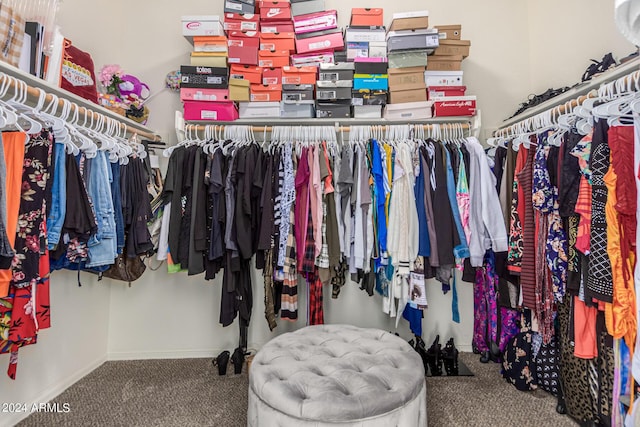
(162, 354)
(53, 391)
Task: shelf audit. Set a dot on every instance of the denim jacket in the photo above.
(102, 246)
(55, 220)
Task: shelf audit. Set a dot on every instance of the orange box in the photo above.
(215, 44)
(272, 76)
(246, 72)
(275, 10)
(269, 59)
(299, 75)
(367, 17)
(266, 93)
(278, 41)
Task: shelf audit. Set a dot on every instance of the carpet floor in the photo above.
(189, 392)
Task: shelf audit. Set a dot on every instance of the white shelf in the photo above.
(330, 122)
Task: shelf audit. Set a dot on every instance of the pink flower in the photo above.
(107, 72)
(33, 243)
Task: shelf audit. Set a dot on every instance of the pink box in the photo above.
(328, 41)
(243, 47)
(440, 91)
(454, 106)
(320, 21)
(276, 27)
(192, 94)
(314, 58)
(365, 59)
(241, 22)
(215, 111)
(272, 76)
(275, 10)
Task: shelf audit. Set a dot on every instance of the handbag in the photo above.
(125, 268)
(518, 364)
(77, 73)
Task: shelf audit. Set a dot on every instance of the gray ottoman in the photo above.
(337, 375)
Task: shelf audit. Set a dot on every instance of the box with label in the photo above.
(298, 92)
(205, 110)
(243, 47)
(239, 90)
(407, 78)
(272, 76)
(357, 50)
(275, 10)
(307, 7)
(278, 41)
(443, 78)
(442, 91)
(276, 27)
(408, 58)
(292, 75)
(194, 94)
(203, 77)
(208, 59)
(213, 44)
(297, 109)
(454, 106)
(412, 39)
(314, 58)
(365, 34)
(367, 17)
(237, 6)
(335, 72)
(323, 41)
(273, 59)
(266, 93)
(259, 110)
(410, 20)
(336, 109)
(369, 67)
(247, 72)
(321, 21)
(453, 47)
(377, 49)
(241, 22)
(331, 90)
(408, 111)
(445, 63)
(368, 97)
(449, 32)
(367, 111)
(407, 95)
(202, 25)
(371, 81)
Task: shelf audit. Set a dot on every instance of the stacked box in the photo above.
(317, 33)
(407, 85)
(451, 51)
(366, 42)
(297, 92)
(335, 82)
(370, 85)
(240, 6)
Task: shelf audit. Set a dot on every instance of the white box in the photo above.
(298, 109)
(413, 14)
(202, 25)
(443, 78)
(367, 111)
(409, 111)
(365, 34)
(257, 110)
(377, 49)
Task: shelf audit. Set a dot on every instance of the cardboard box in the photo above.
(276, 27)
(272, 76)
(275, 10)
(320, 42)
(449, 32)
(203, 77)
(212, 44)
(367, 17)
(443, 78)
(193, 94)
(412, 39)
(408, 111)
(202, 25)
(269, 59)
(328, 90)
(453, 47)
(454, 106)
(239, 90)
(259, 110)
(410, 20)
(241, 22)
(365, 34)
(335, 72)
(247, 72)
(336, 109)
(445, 63)
(299, 75)
(307, 7)
(406, 78)
(298, 92)
(297, 109)
(278, 41)
(371, 81)
(442, 91)
(204, 59)
(314, 58)
(367, 67)
(266, 93)
(214, 111)
(321, 21)
(408, 58)
(237, 6)
(408, 95)
(367, 111)
(243, 47)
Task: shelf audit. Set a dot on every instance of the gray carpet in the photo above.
(188, 392)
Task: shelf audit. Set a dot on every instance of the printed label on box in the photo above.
(260, 97)
(327, 94)
(233, 60)
(234, 6)
(266, 63)
(236, 43)
(209, 115)
(409, 114)
(269, 81)
(214, 80)
(320, 45)
(329, 76)
(357, 101)
(271, 30)
(268, 46)
(236, 76)
(292, 96)
(291, 80)
(249, 26)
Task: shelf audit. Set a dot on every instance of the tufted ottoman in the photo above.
(337, 375)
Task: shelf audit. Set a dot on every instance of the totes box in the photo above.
(203, 77)
(454, 106)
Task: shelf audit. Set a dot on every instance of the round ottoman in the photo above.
(337, 375)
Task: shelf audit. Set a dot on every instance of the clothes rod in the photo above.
(427, 127)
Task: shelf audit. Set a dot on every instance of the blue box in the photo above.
(371, 81)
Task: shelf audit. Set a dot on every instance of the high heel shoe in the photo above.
(450, 358)
(434, 357)
(221, 362)
(422, 351)
(238, 360)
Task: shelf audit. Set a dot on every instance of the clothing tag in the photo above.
(418, 291)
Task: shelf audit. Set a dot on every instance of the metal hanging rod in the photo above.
(455, 125)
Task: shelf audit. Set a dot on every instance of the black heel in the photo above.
(238, 360)
(450, 358)
(221, 362)
(434, 357)
(422, 351)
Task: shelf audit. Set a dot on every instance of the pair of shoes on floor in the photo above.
(492, 355)
(435, 357)
(237, 359)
